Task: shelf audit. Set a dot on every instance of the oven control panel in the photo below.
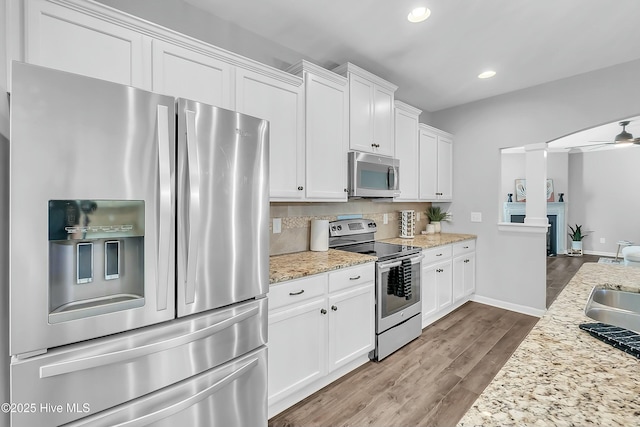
(350, 227)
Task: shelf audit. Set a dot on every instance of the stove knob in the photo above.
(339, 227)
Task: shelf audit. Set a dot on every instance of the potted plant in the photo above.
(436, 215)
(576, 236)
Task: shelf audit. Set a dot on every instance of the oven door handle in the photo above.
(386, 266)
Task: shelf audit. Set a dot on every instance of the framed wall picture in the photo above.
(521, 190)
(550, 197)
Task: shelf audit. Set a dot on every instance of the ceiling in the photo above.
(435, 63)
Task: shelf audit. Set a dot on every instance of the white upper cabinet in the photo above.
(406, 138)
(67, 39)
(278, 99)
(185, 73)
(436, 164)
(371, 102)
(326, 132)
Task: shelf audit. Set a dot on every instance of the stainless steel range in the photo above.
(398, 306)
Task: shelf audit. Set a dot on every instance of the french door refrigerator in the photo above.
(138, 257)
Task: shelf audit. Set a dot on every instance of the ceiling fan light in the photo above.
(624, 136)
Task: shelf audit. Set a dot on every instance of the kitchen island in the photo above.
(561, 375)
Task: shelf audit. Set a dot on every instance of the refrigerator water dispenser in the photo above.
(96, 257)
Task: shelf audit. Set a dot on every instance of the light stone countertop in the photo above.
(426, 241)
(562, 376)
(301, 264)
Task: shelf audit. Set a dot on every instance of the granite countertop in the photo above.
(427, 241)
(300, 264)
(561, 375)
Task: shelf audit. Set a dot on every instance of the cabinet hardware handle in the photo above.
(346, 191)
(301, 291)
(465, 247)
(323, 311)
(354, 278)
(438, 254)
(334, 308)
(300, 188)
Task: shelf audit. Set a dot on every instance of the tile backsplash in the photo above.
(296, 220)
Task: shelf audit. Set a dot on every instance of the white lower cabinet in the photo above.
(464, 270)
(320, 328)
(448, 279)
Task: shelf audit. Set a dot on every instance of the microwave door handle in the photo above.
(392, 174)
(164, 214)
(193, 219)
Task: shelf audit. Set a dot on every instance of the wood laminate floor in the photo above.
(435, 379)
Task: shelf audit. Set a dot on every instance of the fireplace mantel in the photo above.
(553, 208)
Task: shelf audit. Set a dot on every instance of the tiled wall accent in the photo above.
(296, 220)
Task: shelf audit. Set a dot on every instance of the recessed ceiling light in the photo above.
(487, 74)
(419, 14)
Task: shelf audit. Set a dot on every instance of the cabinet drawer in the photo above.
(352, 276)
(294, 291)
(464, 247)
(437, 254)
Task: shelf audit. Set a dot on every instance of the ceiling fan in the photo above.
(623, 138)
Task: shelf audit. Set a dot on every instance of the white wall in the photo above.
(511, 266)
(603, 196)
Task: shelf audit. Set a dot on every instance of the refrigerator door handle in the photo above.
(181, 405)
(164, 232)
(193, 223)
(123, 356)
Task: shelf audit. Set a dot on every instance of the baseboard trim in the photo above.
(509, 306)
(606, 254)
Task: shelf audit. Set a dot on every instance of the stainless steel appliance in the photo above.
(398, 270)
(138, 257)
(373, 176)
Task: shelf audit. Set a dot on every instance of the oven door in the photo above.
(392, 309)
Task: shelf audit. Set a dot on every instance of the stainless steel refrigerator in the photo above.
(138, 257)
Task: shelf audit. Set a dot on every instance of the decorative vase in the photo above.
(561, 199)
(576, 247)
(431, 228)
(436, 226)
(510, 197)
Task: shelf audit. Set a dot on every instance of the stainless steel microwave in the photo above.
(373, 176)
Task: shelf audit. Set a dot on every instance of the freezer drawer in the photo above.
(107, 372)
(232, 395)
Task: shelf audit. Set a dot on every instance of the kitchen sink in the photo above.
(619, 308)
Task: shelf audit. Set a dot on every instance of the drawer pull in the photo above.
(300, 292)
(354, 278)
(465, 247)
(438, 254)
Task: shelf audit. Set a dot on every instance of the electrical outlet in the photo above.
(385, 219)
(417, 216)
(277, 225)
(602, 240)
(476, 216)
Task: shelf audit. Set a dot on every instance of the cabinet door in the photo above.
(67, 40)
(326, 139)
(445, 168)
(406, 137)
(383, 121)
(429, 290)
(184, 73)
(459, 264)
(360, 114)
(281, 103)
(444, 285)
(297, 348)
(469, 285)
(351, 324)
(428, 186)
